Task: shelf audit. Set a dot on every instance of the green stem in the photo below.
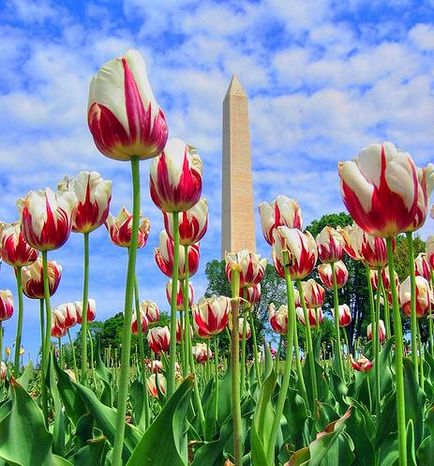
(235, 356)
(19, 322)
(92, 360)
(172, 354)
(430, 320)
(386, 309)
(400, 400)
(59, 343)
(377, 346)
(310, 353)
(336, 315)
(409, 237)
(421, 359)
(139, 331)
(84, 309)
(279, 348)
(288, 361)
(299, 370)
(216, 374)
(46, 347)
(183, 338)
(243, 355)
(255, 348)
(74, 360)
(128, 309)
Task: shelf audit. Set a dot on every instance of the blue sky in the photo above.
(324, 78)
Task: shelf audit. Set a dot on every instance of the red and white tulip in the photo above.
(154, 381)
(3, 370)
(385, 278)
(91, 310)
(430, 251)
(241, 329)
(180, 295)
(120, 229)
(33, 281)
(423, 296)
(14, 249)
(150, 310)
(252, 294)
(159, 339)
(330, 245)
(326, 275)
(6, 305)
(315, 316)
(201, 353)
(345, 317)
(278, 318)
(422, 267)
(362, 364)
(123, 116)
(69, 313)
(425, 188)
(381, 331)
(250, 266)
(211, 314)
(314, 293)
(58, 327)
(134, 324)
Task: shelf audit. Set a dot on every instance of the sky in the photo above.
(324, 78)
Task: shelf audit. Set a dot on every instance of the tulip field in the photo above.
(196, 402)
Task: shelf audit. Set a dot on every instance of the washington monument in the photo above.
(238, 220)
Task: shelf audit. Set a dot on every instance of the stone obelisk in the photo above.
(238, 218)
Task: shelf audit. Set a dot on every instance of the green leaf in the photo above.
(258, 451)
(387, 420)
(165, 442)
(59, 417)
(296, 416)
(104, 375)
(425, 453)
(411, 455)
(26, 377)
(92, 454)
(137, 391)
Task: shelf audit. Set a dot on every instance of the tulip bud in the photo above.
(180, 332)
(211, 314)
(58, 328)
(280, 212)
(151, 385)
(200, 331)
(430, 251)
(134, 325)
(193, 223)
(241, 331)
(6, 306)
(345, 317)
(249, 264)
(3, 370)
(425, 188)
(423, 296)
(176, 177)
(326, 275)
(123, 116)
(159, 339)
(91, 310)
(93, 200)
(363, 364)
(155, 366)
(422, 266)
(33, 280)
(252, 294)
(150, 311)
(330, 245)
(69, 312)
(381, 332)
(14, 249)
(315, 316)
(179, 295)
(201, 353)
(380, 189)
(302, 250)
(314, 293)
(120, 229)
(278, 318)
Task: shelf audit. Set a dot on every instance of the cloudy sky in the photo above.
(324, 77)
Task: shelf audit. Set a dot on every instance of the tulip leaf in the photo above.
(25, 378)
(165, 442)
(138, 400)
(387, 420)
(59, 417)
(425, 453)
(92, 454)
(258, 451)
(104, 375)
(296, 416)
(411, 454)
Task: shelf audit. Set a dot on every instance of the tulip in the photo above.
(374, 251)
(120, 229)
(422, 266)
(199, 331)
(302, 249)
(423, 296)
(159, 339)
(352, 237)
(6, 305)
(425, 188)
(278, 318)
(3, 370)
(381, 331)
(283, 211)
(8, 351)
(14, 249)
(46, 218)
(430, 251)
(155, 366)
(180, 332)
(249, 265)
(314, 293)
(315, 316)
(164, 257)
(151, 385)
(58, 328)
(252, 294)
(248, 329)
(201, 353)
(91, 310)
(363, 364)
(93, 200)
(330, 245)
(180, 295)
(380, 189)
(144, 322)
(384, 278)
(150, 311)
(176, 177)
(326, 275)
(193, 223)
(345, 317)
(33, 282)
(123, 116)
(69, 313)
(211, 314)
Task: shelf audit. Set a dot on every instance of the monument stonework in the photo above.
(238, 218)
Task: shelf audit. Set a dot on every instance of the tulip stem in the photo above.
(84, 309)
(74, 360)
(173, 307)
(139, 331)
(243, 353)
(182, 326)
(336, 315)
(235, 356)
(128, 311)
(46, 346)
(409, 237)
(19, 321)
(377, 346)
(255, 347)
(288, 361)
(216, 371)
(92, 359)
(400, 400)
(420, 345)
(59, 344)
(430, 320)
(383, 291)
(309, 344)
